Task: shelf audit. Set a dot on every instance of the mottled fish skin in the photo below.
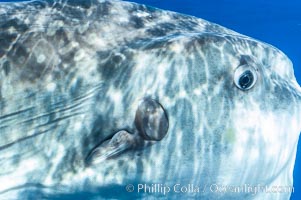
(73, 73)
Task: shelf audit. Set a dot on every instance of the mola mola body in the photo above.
(111, 99)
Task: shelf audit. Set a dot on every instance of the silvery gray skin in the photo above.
(96, 95)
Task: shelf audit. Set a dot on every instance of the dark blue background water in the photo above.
(277, 22)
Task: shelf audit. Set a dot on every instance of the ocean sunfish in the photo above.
(105, 99)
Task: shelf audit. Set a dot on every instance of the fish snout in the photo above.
(299, 107)
(298, 101)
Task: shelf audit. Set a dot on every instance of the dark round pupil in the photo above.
(246, 79)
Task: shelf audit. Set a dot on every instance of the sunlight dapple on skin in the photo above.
(96, 95)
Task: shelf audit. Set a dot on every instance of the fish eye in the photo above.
(245, 77)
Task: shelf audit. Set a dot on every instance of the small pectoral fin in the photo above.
(119, 143)
(151, 124)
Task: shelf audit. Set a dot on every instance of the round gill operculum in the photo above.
(151, 120)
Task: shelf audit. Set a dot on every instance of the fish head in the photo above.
(232, 106)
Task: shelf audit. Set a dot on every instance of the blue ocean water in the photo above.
(273, 21)
(276, 22)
